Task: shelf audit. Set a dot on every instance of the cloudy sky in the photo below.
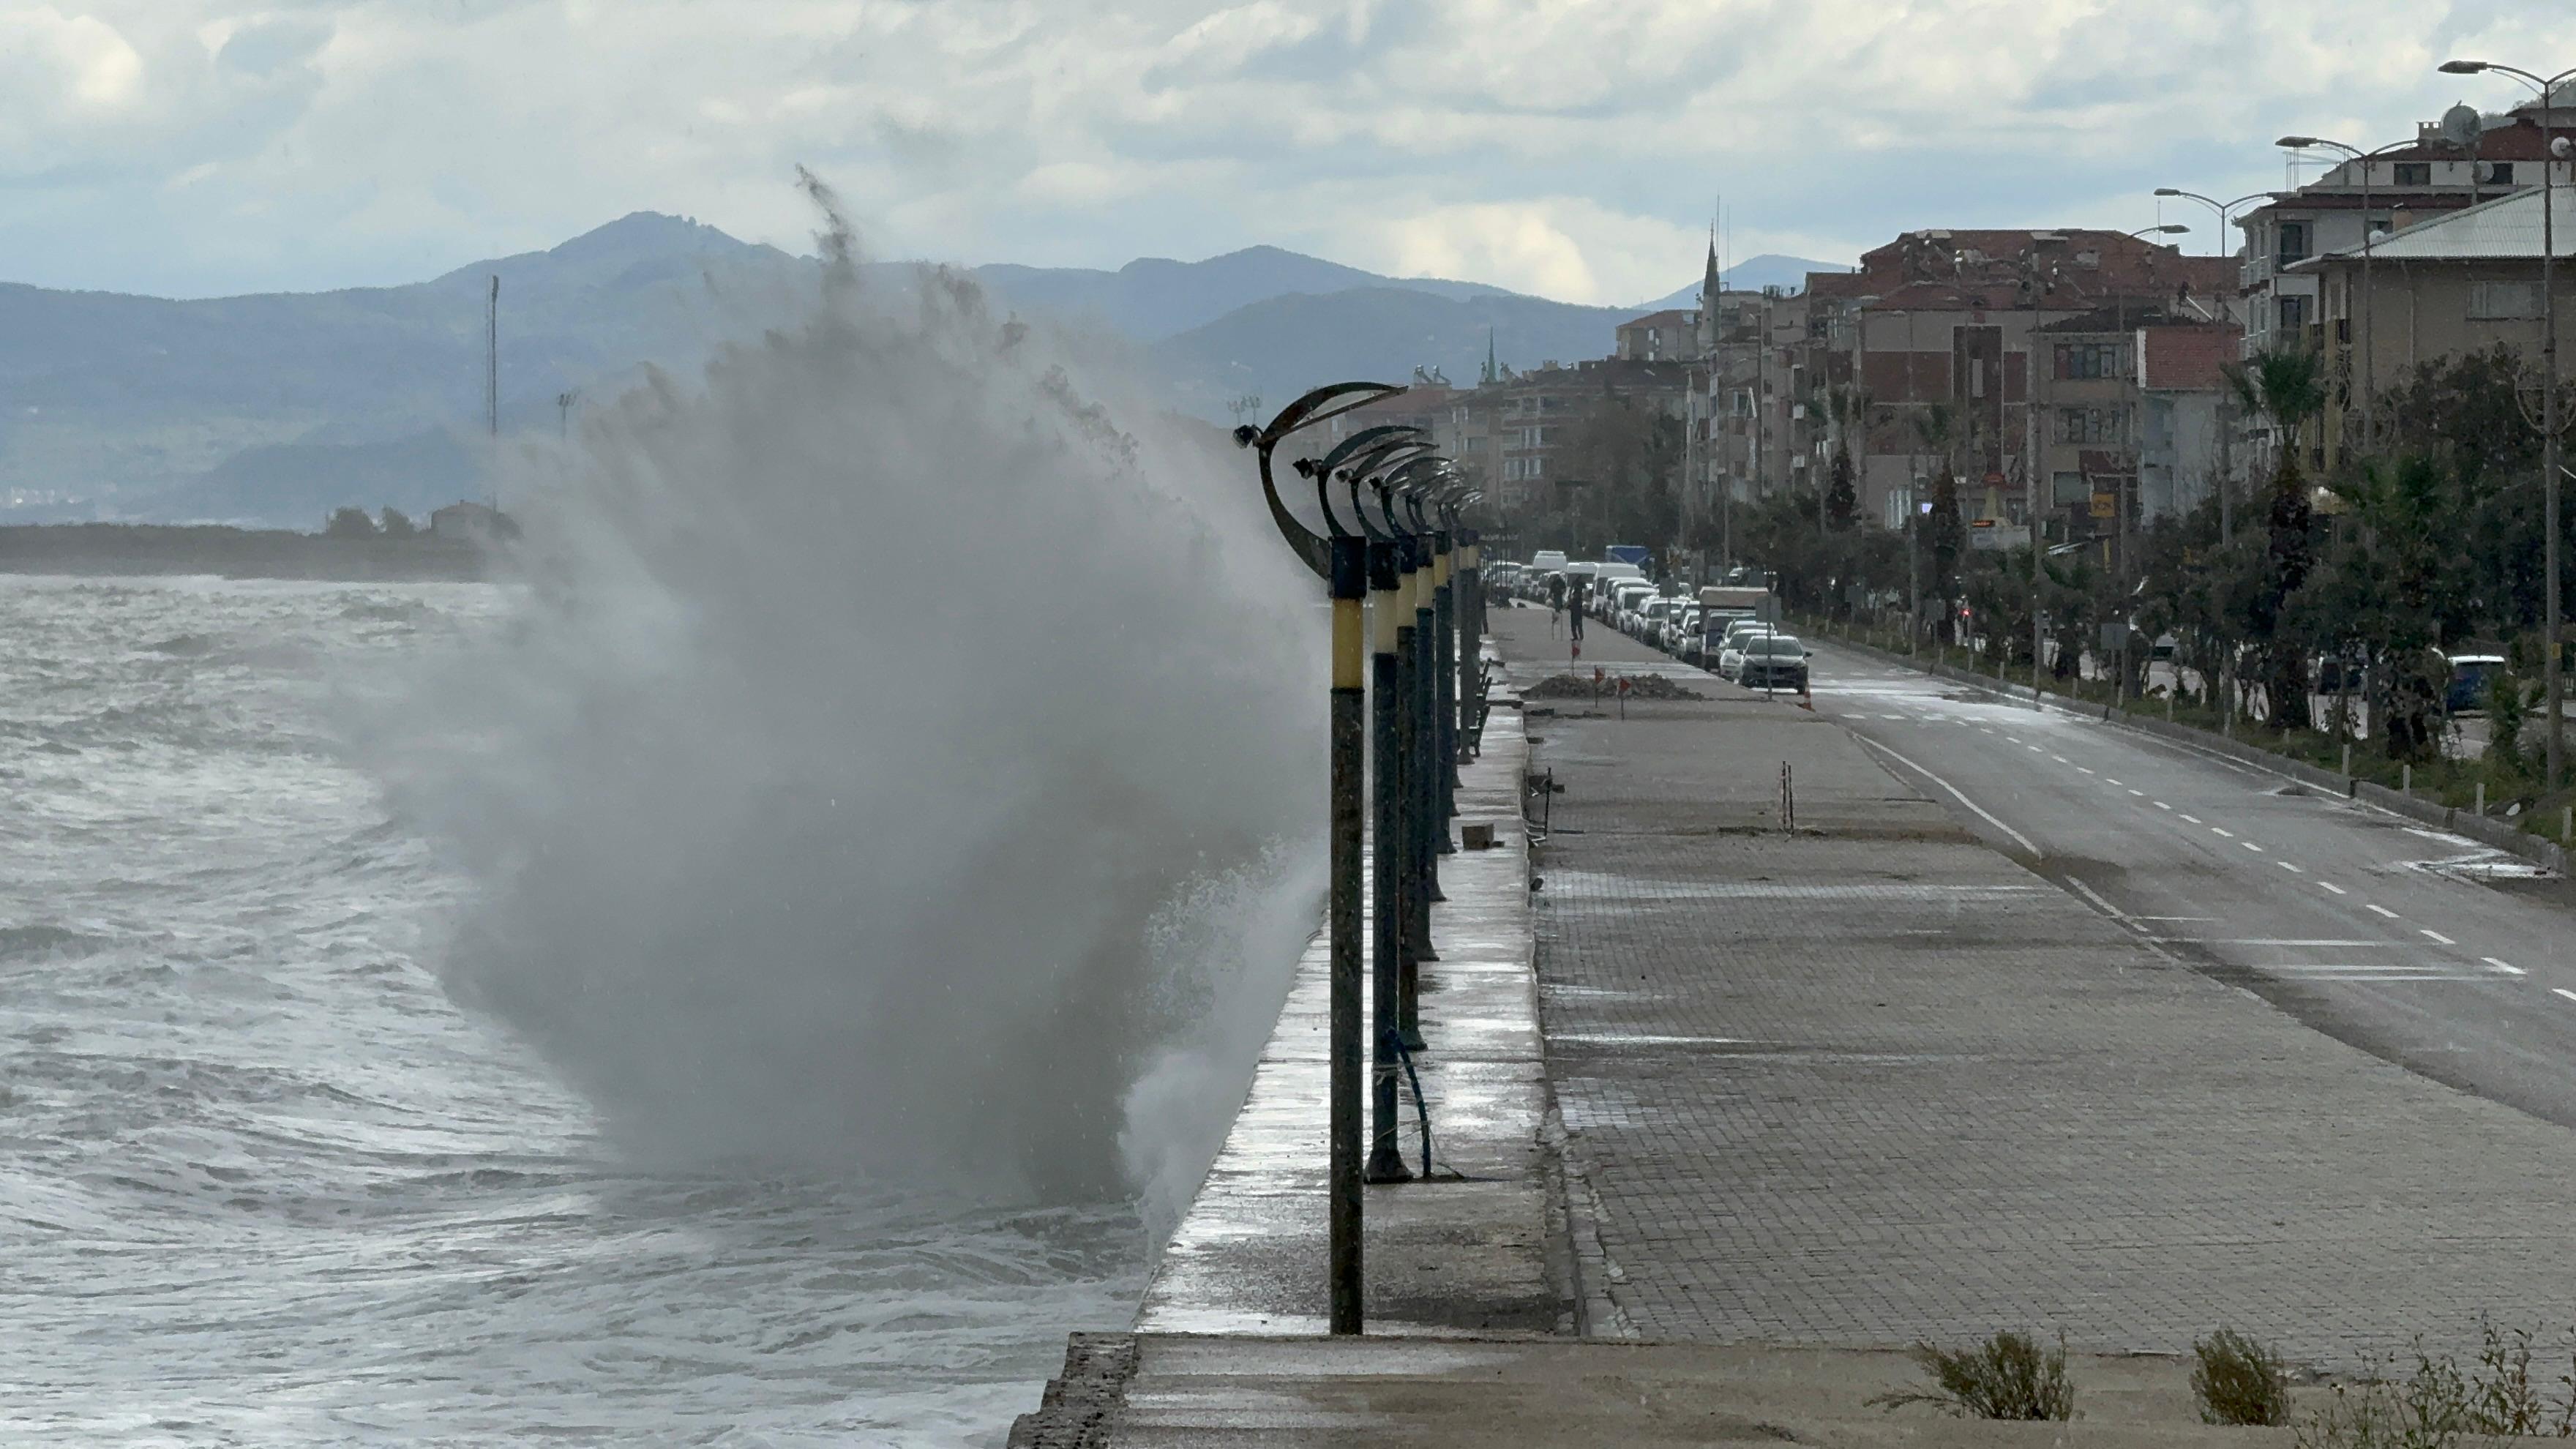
(1572, 148)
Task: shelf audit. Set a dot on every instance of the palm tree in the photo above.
(2285, 389)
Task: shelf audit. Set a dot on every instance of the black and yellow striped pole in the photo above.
(1342, 561)
(1388, 875)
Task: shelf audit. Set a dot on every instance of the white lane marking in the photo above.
(2286, 941)
(2108, 909)
(2141, 794)
(2507, 967)
(2563, 991)
(2330, 885)
(2221, 830)
(2061, 759)
(2250, 845)
(2374, 973)
(2383, 910)
(1956, 793)
(2163, 806)
(2107, 780)
(2034, 749)
(2436, 935)
(1891, 716)
(2285, 865)
(2173, 918)
(1983, 729)
(2194, 819)
(2083, 770)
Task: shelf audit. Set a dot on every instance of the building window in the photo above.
(2414, 173)
(2503, 301)
(2293, 245)
(1537, 467)
(2077, 360)
(2496, 173)
(2065, 489)
(2294, 316)
(2088, 425)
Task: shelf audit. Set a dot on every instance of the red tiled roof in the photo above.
(1669, 317)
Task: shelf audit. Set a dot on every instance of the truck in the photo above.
(1723, 604)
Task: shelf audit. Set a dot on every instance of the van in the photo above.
(1548, 561)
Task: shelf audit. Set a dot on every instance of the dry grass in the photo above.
(2007, 1377)
(2239, 1381)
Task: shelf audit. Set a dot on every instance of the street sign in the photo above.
(2106, 505)
(1628, 553)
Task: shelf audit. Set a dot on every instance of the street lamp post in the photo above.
(2369, 293)
(2551, 146)
(1342, 560)
(2225, 209)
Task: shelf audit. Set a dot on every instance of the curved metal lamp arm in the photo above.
(1305, 412)
(1365, 444)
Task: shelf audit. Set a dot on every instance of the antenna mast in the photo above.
(492, 387)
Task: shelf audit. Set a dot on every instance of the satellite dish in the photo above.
(2461, 126)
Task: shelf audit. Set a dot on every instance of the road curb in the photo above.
(2495, 833)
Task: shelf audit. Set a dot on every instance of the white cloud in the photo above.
(1571, 147)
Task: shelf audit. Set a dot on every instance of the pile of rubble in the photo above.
(1584, 686)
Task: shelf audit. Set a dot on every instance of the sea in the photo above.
(265, 1182)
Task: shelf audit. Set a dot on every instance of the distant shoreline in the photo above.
(94, 550)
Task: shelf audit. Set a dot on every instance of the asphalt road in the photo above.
(2427, 949)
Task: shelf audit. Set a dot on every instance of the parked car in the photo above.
(2469, 675)
(1773, 661)
(1730, 646)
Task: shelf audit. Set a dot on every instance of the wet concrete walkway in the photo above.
(1467, 1251)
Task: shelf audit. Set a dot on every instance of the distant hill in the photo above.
(1750, 275)
(145, 407)
(1152, 298)
(273, 410)
(1281, 347)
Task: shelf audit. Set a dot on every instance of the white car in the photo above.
(1730, 650)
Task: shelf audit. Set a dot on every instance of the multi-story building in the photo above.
(2403, 188)
(1937, 332)
(1671, 335)
(2463, 282)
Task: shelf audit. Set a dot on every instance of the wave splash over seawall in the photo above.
(902, 763)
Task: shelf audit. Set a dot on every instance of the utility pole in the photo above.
(492, 388)
(563, 413)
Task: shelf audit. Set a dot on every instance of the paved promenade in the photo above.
(1870, 1083)
(1747, 1108)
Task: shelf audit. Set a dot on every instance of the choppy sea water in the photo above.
(262, 1183)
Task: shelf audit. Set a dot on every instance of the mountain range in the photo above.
(275, 409)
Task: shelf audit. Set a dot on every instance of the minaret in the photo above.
(1493, 374)
(1709, 288)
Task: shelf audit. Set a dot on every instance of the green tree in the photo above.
(349, 523)
(2285, 389)
(398, 524)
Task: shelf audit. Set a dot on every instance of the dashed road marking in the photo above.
(2330, 885)
(2163, 806)
(2107, 780)
(2563, 991)
(2507, 967)
(2217, 829)
(2288, 866)
(2436, 935)
(2383, 910)
(2250, 845)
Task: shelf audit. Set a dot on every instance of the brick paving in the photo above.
(1878, 1083)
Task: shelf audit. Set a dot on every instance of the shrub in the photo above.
(2006, 1377)
(2238, 1381)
